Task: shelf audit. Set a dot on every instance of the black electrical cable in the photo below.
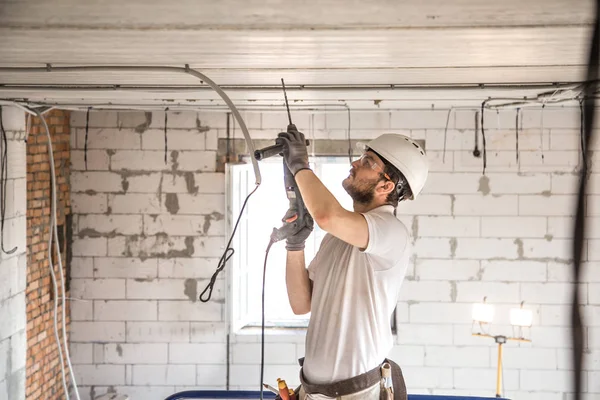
(581, 133)
(3, 182)
(579, 229)
(222, 262)
(228, 364)
(87, 128)
(578, 237)
(483, 136)
(542, 132)
(27, 119)
(226, 254)
(476, 152)
(166, 109)
(517, 135)
(446, 135)
(228, 141)
(262, 331)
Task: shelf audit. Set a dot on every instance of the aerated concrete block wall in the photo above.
(13, 262)
(148, 234)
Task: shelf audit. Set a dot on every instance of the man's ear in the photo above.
(388, 187)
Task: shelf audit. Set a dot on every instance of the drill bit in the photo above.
(286, 102)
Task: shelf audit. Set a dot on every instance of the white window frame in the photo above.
(237, 272)
(237, 311)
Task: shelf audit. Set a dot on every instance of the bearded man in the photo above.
(352, 286)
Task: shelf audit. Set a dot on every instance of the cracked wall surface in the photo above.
(149, 230)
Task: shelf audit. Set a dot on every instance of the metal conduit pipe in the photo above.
(184, 70)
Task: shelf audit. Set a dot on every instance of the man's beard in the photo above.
(361, 192)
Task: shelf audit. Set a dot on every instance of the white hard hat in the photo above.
(406, 155)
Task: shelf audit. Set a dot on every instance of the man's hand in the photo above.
(296, 242)
(295, 152)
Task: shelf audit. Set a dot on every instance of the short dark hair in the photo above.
(403, 191)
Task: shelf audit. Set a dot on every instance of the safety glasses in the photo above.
(368, 161)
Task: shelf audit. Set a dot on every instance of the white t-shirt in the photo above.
(354, 295)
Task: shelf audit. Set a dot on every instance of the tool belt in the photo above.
(358, 383)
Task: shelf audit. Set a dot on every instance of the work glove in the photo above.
(295, 151)
(297, 241)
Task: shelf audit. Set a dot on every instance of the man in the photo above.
(351, 287)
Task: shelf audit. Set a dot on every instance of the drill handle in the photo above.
(293, 193)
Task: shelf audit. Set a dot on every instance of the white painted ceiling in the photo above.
(412, 53)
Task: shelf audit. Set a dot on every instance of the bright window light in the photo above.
(264, 211)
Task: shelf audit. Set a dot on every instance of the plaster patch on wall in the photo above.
(453, 246)
(215, 216)
(172, 203)
(479, 275)
(453, 291)
(93, 233)
(141, 128)
(174, 157)
(520, 250)
(191, 289)
(484, 185)
(415, 228)
(124, 183)
(190, 182)
(157, 246)
(200, 127)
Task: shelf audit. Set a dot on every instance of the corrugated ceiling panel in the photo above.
(457, 47)
(260, 14)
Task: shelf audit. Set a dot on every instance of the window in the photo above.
(263, 212)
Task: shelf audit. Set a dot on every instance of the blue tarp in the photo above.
(255, 395)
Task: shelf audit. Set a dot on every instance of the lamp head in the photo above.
(521, 316)
(483, 312)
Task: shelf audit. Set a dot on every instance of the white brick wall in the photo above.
(13, 267)
(140, 228)
(148, 236)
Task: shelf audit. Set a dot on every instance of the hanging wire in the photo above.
(476, 152)
(228, 139)
(27, 125)
(581, 133)
(234, 150)
(542, 132)
(517, 135)
(3, 182)
(498, 119)
(166, 109)
(445, 135)
(577, 323)
(483, 136)
(87, 129)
